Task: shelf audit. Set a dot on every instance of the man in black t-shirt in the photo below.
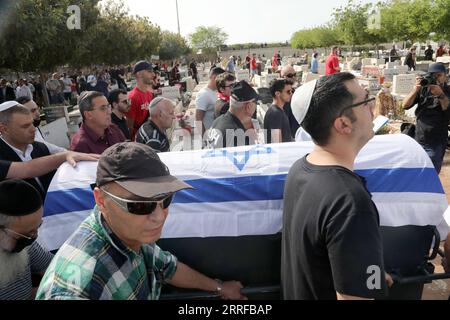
(432, 113)
(234, 128)
(331, 239)
(120, 105)
(276, 121)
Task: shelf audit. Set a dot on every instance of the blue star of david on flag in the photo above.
(239, 158)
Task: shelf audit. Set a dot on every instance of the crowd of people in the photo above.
(114, 248)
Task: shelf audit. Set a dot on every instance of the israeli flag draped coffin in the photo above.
(239, 191)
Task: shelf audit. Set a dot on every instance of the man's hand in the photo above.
(389, 280)
(231, 290)
(445, 265)
(418, 81)
(436, 90)
(73, 157)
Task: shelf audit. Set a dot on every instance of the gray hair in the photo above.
(152, 107)
(5, 220)
(5, 116)
(85, 101)
(236, 105)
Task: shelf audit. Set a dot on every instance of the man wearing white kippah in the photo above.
(331, 227)
(21, 157)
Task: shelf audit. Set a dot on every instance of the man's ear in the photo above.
(3, 128)
(99, 198)
(343, 125)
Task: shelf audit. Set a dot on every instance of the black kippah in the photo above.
(18, 198)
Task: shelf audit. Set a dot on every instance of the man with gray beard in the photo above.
(21, 257)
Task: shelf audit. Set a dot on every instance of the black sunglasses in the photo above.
(291, 75)
(140, 208)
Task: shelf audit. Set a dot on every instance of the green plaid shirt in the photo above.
(94, 264)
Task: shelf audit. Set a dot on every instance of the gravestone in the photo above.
(268, 78)
(172, 93)
(401, 69)
(423, 66)
(392, 65)
(55, 113)
(309, 76)
(372, 71)
(56, 133)
(372, 84)
(403, 84)
(258, 81)
(242, 75)
(369, 62)
(389, 74)
(445, 59)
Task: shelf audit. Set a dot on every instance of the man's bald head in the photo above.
(287, 70)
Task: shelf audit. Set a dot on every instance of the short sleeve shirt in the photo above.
(331, 64)
(206, 101)
(139, 107)
(331, 235)
(276, 118)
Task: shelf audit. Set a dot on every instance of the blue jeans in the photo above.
(436, 151)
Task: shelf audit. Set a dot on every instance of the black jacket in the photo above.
(8, 96)
(39, 150)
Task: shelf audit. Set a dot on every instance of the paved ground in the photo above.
(440, 290)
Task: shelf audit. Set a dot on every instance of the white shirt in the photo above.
(53, 149)
(67, 85)
(206, 100)
(24, 91)
(24, 156)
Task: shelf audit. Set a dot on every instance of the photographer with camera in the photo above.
(431, 94)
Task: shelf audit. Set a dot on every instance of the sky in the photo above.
(244, 21)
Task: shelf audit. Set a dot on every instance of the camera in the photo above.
(428, 79)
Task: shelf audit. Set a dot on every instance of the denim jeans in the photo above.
(436, 151)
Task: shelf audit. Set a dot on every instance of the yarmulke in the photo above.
(301, 100)
(8, 105)
(18, 198)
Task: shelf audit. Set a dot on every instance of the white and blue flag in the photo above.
(239, 191)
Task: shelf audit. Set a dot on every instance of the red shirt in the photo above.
(86, 141)
(253, 64)
(331, 64)
(139, 108)
(440, 52)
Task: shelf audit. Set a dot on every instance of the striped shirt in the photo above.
(150, 135)
(36, 262)
(94, 264)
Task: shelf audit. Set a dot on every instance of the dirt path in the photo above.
(440, 290)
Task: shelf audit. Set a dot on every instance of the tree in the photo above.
(404, 20)
(351, 21)
(173, 46)
(208, 39)
(319, 37)
(36, 37)
(117, 38)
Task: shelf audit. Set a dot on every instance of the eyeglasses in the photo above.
(140, 208)
(291, 75)
(230, 86)
(104, 108)
(29, 237)
(365, 102)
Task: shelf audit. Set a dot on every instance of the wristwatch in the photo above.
(219, 288)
